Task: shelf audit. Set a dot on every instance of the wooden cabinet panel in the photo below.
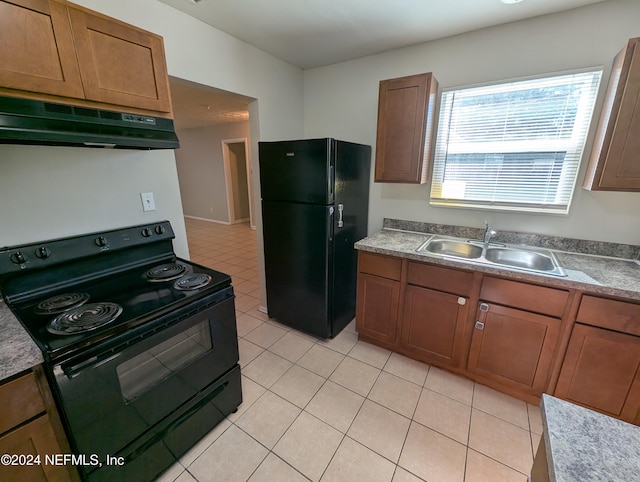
(538, 299)
(601, 370)
(513, 346)
(440, 278)
(380, 265)
(20, 400)
(611, 314)
(377, 307)
(36, 48)
(405, 126)
(35, 439)
(433, 325)
(120, 64)
(614, 163)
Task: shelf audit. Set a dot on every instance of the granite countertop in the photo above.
(588, 446)
(18, 352)
(598, 274)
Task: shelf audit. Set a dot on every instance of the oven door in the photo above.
(116, 393)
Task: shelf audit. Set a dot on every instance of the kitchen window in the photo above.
(513, 146)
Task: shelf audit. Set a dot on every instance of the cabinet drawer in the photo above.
(610, 314)
(20, 400)
(380, 265)
(439, 278)
(538, 299)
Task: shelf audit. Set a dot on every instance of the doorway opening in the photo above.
(237, 168)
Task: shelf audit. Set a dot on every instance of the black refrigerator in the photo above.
(315, 205)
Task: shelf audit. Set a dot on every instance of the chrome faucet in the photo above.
(488, 233)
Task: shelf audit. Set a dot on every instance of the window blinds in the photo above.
(513, 146)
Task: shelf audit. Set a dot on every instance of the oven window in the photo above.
(148, 369)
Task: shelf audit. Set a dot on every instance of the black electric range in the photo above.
(140, 346)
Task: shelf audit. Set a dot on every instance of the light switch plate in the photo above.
(148, 203)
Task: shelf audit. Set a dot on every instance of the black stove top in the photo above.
(96, 292)
(139, 299)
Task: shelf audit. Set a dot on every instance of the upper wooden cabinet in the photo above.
(36, 48)
(406, 108)
(614, 164)
(120, 64)
(58, 48)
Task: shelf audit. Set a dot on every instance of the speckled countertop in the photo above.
(18, 352)
(599, 273)
(586, 446)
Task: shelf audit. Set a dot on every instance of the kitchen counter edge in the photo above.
(592, 274)
(18, 352)
(608, 448)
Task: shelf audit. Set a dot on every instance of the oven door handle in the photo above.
(93, 362)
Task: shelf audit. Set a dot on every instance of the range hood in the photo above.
(25, 121)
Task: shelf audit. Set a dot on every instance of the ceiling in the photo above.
(313, 33)
(196, 105)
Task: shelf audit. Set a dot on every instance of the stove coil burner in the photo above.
(166, 272)
(84, 318)
(192, 281)
(60, 303)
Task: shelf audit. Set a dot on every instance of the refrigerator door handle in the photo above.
(340, 211)
(331, 182)
(330, 220)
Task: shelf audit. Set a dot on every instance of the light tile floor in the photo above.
(344, 410)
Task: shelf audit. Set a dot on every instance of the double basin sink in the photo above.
(535, 260)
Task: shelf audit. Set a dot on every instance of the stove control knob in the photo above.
(43, 252)
(18, 258)
(101, 241)
(159, 229)
(146, 232)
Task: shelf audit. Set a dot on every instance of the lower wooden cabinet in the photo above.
(377, 307)
(601, 370)
(513, 347)
(30, 430)
(34, 441)
(525, 339)
(433, 325)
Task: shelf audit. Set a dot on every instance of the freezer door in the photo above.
(298, 251)
(297, 171)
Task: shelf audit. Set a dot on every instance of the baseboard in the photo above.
(206, 219)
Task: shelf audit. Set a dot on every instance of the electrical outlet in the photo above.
(148, 203)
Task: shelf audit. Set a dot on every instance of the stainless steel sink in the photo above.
(544, 262)
(534, 260)
(452, 247)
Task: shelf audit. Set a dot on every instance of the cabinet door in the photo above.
(377, 307)
(513, 346)
(601, 370)
(614, 162)
(36, 438)
(36, 48)
(120, 64)
(432, 325)
(405, 125)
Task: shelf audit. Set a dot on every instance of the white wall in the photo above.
(341, 101)
(200, 165)
(49, 192)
